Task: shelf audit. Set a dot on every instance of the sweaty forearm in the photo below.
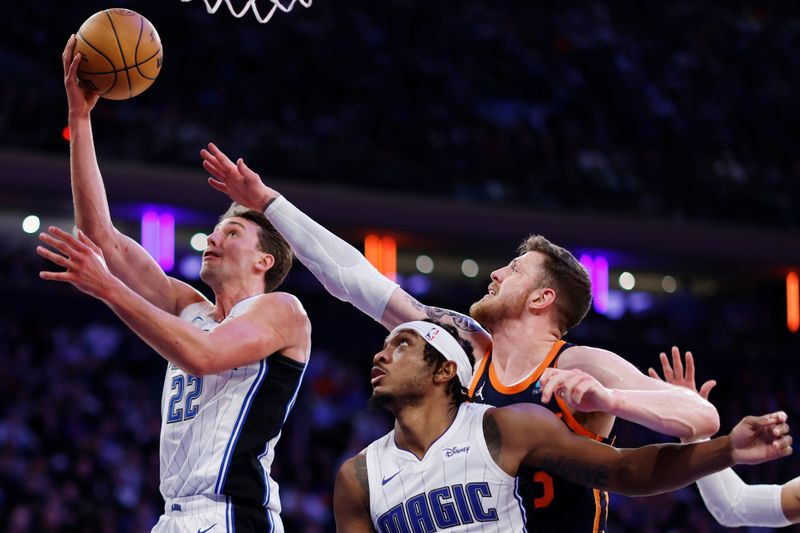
(88, 192)
(663, 467)
(678, 413)
(341, 269)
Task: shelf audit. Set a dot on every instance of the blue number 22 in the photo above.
(181, 384)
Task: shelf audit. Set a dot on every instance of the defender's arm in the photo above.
(351, 496)
(627, 393)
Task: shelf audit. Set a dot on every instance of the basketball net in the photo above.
(212, 6)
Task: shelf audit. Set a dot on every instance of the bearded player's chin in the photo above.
(379, 400)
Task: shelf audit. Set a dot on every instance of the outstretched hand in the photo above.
(81, 100)
(83, 260)
(757, 439)
(236, 180)
(675, 374)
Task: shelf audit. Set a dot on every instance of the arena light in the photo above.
(31, 224)
(424, 264)
(166, 241)
(597, 268)
(199, 242)
(382, 253)
(669, 284)
(158, 237)
(469, 268)
(792, 302)
(627, 281)
(65, 133)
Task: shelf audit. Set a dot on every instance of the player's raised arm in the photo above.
(124, 256)
(591, 379)
(341, 269)
(530, 434)
(351, 496)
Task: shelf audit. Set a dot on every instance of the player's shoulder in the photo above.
(353, 472)
(584, 357)
(278, 304)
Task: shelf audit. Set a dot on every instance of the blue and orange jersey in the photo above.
(552, 504)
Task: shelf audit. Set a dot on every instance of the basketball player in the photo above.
(450, 465)
(731, 501)
(234, 364)
(531, 303)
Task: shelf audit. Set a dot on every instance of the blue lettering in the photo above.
(443, 513)
(461, 504)
(475, 491)
(419, 514)
(394, 520)
(175, 414)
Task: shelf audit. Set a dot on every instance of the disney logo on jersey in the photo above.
(455, 450)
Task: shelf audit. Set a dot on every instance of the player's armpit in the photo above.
(351, 497)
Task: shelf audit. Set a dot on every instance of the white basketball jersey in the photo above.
(456, 487)
(218, 432)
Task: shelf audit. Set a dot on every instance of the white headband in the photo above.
(445, 344)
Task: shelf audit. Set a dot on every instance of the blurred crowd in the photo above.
(679, 109)
(80, 401)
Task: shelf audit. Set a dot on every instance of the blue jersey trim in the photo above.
(237, 428)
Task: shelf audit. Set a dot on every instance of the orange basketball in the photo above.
(120, 53)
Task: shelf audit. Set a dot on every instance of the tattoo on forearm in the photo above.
(595, 476)
(360, 465)
(462, 322)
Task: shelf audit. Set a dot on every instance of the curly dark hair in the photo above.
(435, 360)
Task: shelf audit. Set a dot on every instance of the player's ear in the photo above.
(265, 262)
(542, 298)
(446, 372)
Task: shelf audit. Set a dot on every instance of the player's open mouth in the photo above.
(208, 255)
(377, 374)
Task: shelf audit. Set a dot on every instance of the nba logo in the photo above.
(432, 334)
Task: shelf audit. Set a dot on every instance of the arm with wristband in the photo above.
(342, 270)
(731, 501)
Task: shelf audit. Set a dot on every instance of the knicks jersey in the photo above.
(456, 486)
(218, 432)
(551, 504)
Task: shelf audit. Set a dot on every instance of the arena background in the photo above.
(660, 138)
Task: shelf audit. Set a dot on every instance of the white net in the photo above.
(212, 6)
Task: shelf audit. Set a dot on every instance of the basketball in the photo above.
(121, 53)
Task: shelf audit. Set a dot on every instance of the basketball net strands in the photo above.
(212, 6)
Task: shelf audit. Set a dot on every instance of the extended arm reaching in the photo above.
(532, 435)
(341, 269)
(275, 322)
(125, 258)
